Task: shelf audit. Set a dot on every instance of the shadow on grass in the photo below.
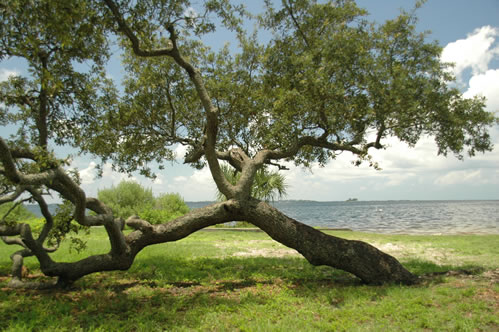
(167, 292)
(237, 272)
(206, 270)
(294, 269)
(430, 272)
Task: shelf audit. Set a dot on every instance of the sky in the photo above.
(469, 33)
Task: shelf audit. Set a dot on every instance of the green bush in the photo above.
(166, 207)
(130, 198)
(155, 216)
(171, 202)
(127, 198)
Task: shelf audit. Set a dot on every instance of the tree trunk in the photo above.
(359, 258)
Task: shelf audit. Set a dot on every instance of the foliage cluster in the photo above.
(130, 198)
(268, 185)
(65, 227)
(126, 199)
(166, 207)
(11, 212)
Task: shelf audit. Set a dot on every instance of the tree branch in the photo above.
(49, 221)
(211, 112)
(41, 117)
(8, 230)
(13, 196)
(17, 177)
(123, 27)
(265, 155)
(295, 22)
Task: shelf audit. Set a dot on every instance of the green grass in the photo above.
(244, 281)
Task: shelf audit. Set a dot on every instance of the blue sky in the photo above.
(469, 33)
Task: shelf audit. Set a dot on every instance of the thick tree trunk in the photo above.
(359, 258)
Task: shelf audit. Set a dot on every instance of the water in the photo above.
(408, 217)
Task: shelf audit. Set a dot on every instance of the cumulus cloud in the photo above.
(91, 182)
(109, 174)
(487, 85)
(197, 187)
(474, 52)
(6, 73)
(88, 174)
(180, 152)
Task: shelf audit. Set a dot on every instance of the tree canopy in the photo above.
(328, 81)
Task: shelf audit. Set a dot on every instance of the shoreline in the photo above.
(439, 233)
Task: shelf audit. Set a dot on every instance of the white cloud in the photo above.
(191, 13)
(159, 180)
(474, 52)
(398, 179)
(179, 179)
(87, 175)
(180, 152)
(473, 177)
(115, 177)
(6, 73)
(89, 178)
(197, 187)
(487, 85)
(202, 177)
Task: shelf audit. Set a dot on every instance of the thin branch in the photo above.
(123, 27)
(279, 166)
(174, 111)
(9, 166)
(13, 241)
(49, 221)
(265, 155)
(13, 196)
(41, 118)
(295, 22)
(15, 205)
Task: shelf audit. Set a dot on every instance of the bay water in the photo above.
(397, 217)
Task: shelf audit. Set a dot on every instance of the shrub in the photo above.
(166, 207)
(127, 198)
(130, 198)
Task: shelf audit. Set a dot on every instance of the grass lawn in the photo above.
(244, 281)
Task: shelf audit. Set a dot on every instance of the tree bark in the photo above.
(366, 262)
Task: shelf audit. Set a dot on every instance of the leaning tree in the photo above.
(326, 81)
